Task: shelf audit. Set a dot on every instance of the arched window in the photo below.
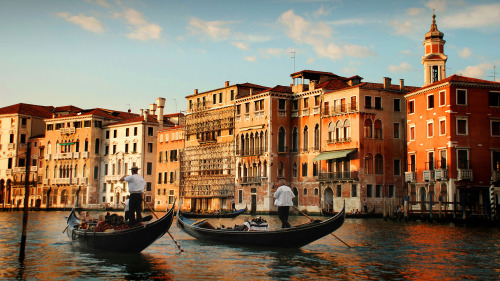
(64, 197)
(295, 140)
(316, 137)
(97, 143)
(379, 164)
(368, 164)
(338, 131)
(264, 169)
(378, 129)
(281, 140)
(304, 169)
(305, 138)
(281, 171)
(294, 170)
(315, 169)
(86, 148)
(49, 148)
(368, 128)
(347, 130)
(331, 132)
(77, 146)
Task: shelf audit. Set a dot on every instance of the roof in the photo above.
(457, 79)
(311, 73)
(67, 108)
(277, 89)
(244, 85)
(28, 109)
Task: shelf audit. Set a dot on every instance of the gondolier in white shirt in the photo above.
(136, 186)
(284, 199)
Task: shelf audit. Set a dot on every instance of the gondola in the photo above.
(131, 240)
(293, 237)
(214, 215)
(371, 214)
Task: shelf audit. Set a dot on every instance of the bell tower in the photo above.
(434, 60)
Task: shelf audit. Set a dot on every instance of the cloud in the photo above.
(403, 67)
(404, 27)
(414, 11)
(321, 12)
(474, 17)
(405, 52)
(87, 23)
(251, 58)
(140, 28)
(477, 71)
(240, 45)
(439, 5)
(465, 52)
(215, 30)
(319, 36)
(102, 3)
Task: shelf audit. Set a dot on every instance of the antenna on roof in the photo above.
(293, 57)
(494, 74)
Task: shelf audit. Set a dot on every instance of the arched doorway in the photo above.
(328, 202)
(423, 196)
(296, 198)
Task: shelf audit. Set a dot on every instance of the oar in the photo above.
(178, 246)
(313, 220)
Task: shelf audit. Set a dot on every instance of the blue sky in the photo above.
(125, 53)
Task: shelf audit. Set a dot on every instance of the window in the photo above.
(305, 191)
(87, 124)
(97, 146)
(462, 126)
(148, 187)
(368, 102)
(353, 103)
(232, 94)
(461, 97)
(281, 140)
(378, 102)
(369, 191)
(135, 147)
(149, 168)
(115, 133)
(430, 101)
(316, 191)
(165, 176)
(396, 131)
(379, 164)
(294, 170)
(96, 172)
(378, 191)
(430, 160)
(295, 105)
(135, 131)
(304, 169)
(159, 180)
(354, 190)
(126, 148)
(397, 105)
(281, 104)
(494, 98)
(160, 156)
(368, 128)
(442, 98)
(368, 164)
(442, 127)
(247, 107)
(171, 196)
(397, 167)
(106, 150)
(430, 129)
(104, 188)
(127, 131)
(240, 196)
(391, 190)
(316, 100)
(412, 132)
(306, 103)
(238, 109)
(214, 98)
(150, 147)
(378, 129)
(315, 169)
(305, 139)
(411, 107)
(150, 131)
(442, 160)
(413, 163)
(107, 135)
(106, 167)
(22, 138)
(114, 148)
(495, 128)
(463, 158)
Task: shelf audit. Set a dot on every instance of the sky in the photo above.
(123, 54)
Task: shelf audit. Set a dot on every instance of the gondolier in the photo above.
(136, 186)
(284, 196)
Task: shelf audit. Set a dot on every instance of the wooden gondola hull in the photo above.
(212, 215)
(131, 240)
(294, 237)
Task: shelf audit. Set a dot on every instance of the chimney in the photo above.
(141, 112)
(152, 108)
(401, 84)
(387, 83)
(227, 84)
(161, 105)
(251, 91)
(146, 115)
(195, 91)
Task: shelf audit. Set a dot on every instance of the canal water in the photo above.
(381, 250)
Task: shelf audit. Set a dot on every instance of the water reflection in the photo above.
(380, 251)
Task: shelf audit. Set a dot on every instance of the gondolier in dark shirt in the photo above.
(136, 186)
(284, 196)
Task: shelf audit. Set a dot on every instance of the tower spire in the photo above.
(434, 60)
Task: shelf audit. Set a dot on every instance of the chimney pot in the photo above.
(401, 84)
(195, 91)
(387, 83)
(227, 83)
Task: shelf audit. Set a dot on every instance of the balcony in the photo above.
(316, 110)
(46, 181)
(67, 131)
(112, 178)
(250, 180)
(85, 155)
(62, 156)
(305, 112)
(61, 181)
(8, 172)
(440, 174)
(495, 176)
(428, 175)
(11, 146)
(47, 157)
(339, 176)
(21, 170)
(74, 181)
(410, 176)
(464, 174)
(76, 155)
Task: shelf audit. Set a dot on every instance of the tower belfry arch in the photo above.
(434, 60)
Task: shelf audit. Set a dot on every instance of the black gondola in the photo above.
(293, 237)
(371, 214)
(131, 240)
(214, 215)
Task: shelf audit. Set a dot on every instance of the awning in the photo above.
(67, 143)
(333, 154)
